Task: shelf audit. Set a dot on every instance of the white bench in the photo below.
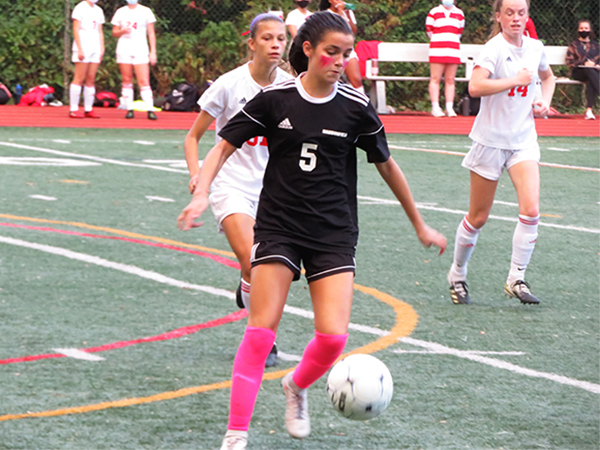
(419, 53)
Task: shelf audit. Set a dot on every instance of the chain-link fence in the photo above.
(198, 40)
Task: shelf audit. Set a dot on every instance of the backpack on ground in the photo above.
(106, 99)
(183, 98)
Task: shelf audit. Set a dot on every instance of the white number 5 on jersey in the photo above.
(308, 160)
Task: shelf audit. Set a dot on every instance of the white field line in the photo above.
(446, 152)
(144, 142)
(431, 346)
(154, 198)
(91, 158)
(500, 202)
(78, 354)
(470, 352)
(557, 149)
(381, 201)
(43, 197)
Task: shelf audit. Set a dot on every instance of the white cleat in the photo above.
(297, 421)
(235, 440)
(437, 112)
(589, 115)
(450, 113)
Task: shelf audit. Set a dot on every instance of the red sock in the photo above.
(319, 355)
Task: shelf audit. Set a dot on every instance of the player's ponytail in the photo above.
(313, 30)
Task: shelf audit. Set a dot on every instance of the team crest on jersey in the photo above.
(285, 124)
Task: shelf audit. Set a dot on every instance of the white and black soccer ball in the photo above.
(360, 387)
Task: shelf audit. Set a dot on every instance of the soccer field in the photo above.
(119, 331)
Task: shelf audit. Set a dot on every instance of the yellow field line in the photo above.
(406, 321)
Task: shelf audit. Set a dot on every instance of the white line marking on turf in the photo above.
(470, 352)
(500, 202)
(178, 163)
(438, 348)
(61, 141)
(78, 354)
(492, 216)
(92, 158)
(446, 152)
(144, 142)
(36, 161)
(556, 149)
(431, 346)
(43, 197)
(287, 357)
(159, 199)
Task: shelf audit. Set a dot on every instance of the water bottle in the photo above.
(349, 6)
(18, 94)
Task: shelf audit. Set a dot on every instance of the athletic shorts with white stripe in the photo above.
(318, 264)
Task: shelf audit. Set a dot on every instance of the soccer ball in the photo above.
(360, 387)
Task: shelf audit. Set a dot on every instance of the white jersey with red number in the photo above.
(505, 120)
(90, 18)
(137, 19)
(244, 170)
(444, 28)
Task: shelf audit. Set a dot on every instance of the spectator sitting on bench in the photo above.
(583, 57)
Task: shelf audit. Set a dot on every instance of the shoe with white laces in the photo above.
(297, 421)
(459, 292)
(589, 115)
(437, 112)
(235, 440)
(520, 289)
(450, 113)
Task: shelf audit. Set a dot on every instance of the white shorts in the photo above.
(132, 59)
(490, 162)
(225, 203)
(89, 57)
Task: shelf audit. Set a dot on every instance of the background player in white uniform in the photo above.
(504, 136)
(133, 24)
(88, 49)
(296, 17)
(307, 212)
(235, 191)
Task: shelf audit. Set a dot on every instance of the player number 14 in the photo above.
(521, 90)
(308, 158)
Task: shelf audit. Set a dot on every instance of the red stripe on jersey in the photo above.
(444, 44)
(457, 16)
(447, 29)
(437, 15)
(428, 27)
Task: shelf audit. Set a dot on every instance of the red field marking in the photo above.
(174, 334)
(404, 123)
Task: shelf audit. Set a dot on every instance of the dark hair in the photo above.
(313, 30)
(324, 5)
(589, 22)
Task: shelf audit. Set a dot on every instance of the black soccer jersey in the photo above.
(309, 188)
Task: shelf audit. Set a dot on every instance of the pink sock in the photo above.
(248, 370)
(319, 355)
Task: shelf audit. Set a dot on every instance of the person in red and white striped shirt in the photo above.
(444, 26)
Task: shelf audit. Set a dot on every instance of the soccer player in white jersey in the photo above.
(88, 49)
(133, 24)
(504, 136)
(235, 191)
(307, 213)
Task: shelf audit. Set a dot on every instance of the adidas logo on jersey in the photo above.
(243, 101)
(285, 124)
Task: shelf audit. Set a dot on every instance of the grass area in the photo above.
(534, 382)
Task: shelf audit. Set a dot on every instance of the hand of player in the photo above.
(193, 182)
(524, 77)
(80, 55)
(152, 59)
(193, 211)
(338, 6)
(541, 108)
(428, 237)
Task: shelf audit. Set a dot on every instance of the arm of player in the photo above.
(101, 41)
(190, 146)
(542, 107)
(152, 42)
(213, 162)
(77, 37)
(480, 84)
(395, 179)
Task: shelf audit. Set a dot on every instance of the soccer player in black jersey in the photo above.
(307, 212)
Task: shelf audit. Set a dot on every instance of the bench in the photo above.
(419, 53)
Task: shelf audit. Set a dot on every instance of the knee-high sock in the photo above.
(74, 94)
(319, 355)
(524, 238)
(248, 370)
(464, 244)
(89, 93)
(246, 294)
(127, 94)
(146, 94)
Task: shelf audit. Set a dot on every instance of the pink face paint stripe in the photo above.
(220, 259)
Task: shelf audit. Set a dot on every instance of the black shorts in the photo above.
(318, 264)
